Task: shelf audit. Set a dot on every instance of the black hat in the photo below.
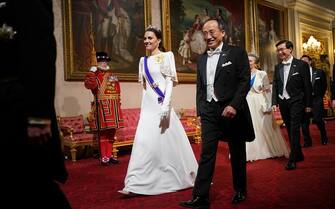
(102, 56)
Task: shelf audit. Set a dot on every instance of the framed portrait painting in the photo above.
(182, 22)
(271, 27)
(113, 26)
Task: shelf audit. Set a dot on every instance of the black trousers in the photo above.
(317, 115)
(214, 129)
(292, 113)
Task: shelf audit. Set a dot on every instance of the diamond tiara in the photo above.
(153, 27)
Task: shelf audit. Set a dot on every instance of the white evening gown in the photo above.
(161, 161)
(269, 141)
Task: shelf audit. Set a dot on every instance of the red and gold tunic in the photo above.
(106, 88)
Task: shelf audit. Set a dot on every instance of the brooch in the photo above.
(159, 58)
(155, 85)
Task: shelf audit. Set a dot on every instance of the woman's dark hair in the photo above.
(158, 34)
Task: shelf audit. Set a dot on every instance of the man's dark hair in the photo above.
(288, 44)
(308, 57)
(221, 26)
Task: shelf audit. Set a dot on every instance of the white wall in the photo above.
(72, 98)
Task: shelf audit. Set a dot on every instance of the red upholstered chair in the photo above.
(125, 136)
(74, 134)
(191, 124)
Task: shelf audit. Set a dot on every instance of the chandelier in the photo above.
(312, 46)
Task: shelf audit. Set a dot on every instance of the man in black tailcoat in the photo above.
(223, 77)
(292, 91)
(319, 87)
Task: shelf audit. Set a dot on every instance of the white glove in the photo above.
(165, 110)
(93, 69)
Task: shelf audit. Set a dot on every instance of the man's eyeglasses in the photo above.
(281, 49)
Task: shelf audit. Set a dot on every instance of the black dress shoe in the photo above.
(196, 202)
(238, 197)
(290, 166)
(113, 161)
(324, 141)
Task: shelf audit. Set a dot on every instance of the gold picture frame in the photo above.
(175, 31)
(90, 26)
(271, 26)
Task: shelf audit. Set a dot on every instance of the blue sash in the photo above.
(252, 80)
(150, 80)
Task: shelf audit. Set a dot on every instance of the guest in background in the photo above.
(292, 91)
(325, 66)
(222, 85)
(106, 108)
(319, 87)
(268, 142)
(162, 159)
(32, 160)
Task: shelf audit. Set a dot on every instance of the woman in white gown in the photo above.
(269, 142)
(162, 159)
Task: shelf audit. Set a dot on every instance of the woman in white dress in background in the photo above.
(162, 159)
(269, 142)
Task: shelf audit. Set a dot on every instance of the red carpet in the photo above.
(310, 186)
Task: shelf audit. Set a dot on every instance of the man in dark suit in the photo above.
(223, 77)
(32, 159)
(292, 91)
(319, 87)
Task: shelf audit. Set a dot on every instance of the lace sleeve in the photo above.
(168, 68)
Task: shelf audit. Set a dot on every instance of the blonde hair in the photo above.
(257, 66)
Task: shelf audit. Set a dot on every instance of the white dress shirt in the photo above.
(287, 66)
(212, 62)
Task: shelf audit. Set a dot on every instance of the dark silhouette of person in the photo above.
(34, 162)
(319, 87)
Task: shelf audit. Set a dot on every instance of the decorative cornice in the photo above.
(311, 9)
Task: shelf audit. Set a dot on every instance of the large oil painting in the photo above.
(113, 26)
(182, 28)
(272, 27)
